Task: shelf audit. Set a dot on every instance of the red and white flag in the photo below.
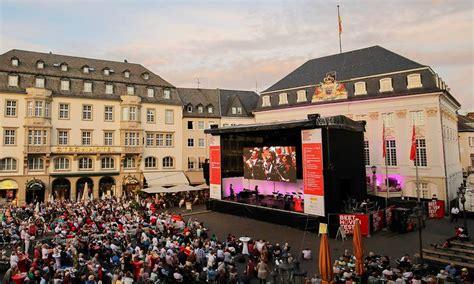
(384, 144)
(413, 145)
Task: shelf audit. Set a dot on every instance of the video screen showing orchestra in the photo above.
(272, 163)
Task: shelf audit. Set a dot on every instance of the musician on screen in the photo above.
(254, 165)
(286, 169)
(270, 166)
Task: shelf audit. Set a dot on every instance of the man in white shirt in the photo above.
(454, 214)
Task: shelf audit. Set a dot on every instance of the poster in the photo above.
(347, 223)
(436, 209)
(377, 220)
(313, 178)
(215, 167)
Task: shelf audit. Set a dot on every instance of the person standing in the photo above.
(454, 214)
(262, 271)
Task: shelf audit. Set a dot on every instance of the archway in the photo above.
(130, 186)
(61, 189)
(81, 184)
(34, 191)
(106, 187)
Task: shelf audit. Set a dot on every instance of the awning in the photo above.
(165, 178)
(155, 189)
(203, 186)
(183, 187)
(195, 177)
(8, 184)
(174, 189)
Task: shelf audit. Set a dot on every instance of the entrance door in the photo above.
(34, 191)
(61, 189)
(84, 186)
(106, 185)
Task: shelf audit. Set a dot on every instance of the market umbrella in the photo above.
(37, 208)
(85, 191)
(358, 248)
(325, 264)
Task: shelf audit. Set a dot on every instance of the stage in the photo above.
(273, 215)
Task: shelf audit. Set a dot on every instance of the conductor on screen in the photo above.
(254, 165)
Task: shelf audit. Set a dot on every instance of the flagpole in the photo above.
(340, 31)
(386, 166)
(420, 238)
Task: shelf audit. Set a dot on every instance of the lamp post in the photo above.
(462, 199)
(374, 179)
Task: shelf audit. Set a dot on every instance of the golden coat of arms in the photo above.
(329, 90)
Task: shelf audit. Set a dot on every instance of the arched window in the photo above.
(107, 163)
(360, 89)
(8, 164)
(210, 109)
(189, 108)
(146, 76)
(85, 163)
(61, 163)
(200, 109)
(283, 99)
(35, 163)
(129, 162)
(63, 67)
(414, 81)
(386, 85)
(40, 64)
(168, 162)
(266, 101)
(150, 162)
(126, 74)
(15, 61)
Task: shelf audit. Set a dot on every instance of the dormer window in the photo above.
(39, 82)
(167, 94)
(360, 89)
(126, 74)
(283, 99)
(210, 109)
(146, 76)
(109, 89)
(189, 108)
(15, 61)
(106, 71)
(386, 85)
(40, 64)
(130, 90)
(13, 80)
(150, 92)
(414, 81)
(200, 109)
(266, 101)
(85, 70)
(239, 110)
(301, 96)
(65, 85)
(64, 67)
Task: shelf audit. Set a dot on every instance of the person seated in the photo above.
(405, 262)
(451, 269)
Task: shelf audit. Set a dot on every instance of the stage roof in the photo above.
(332, 122)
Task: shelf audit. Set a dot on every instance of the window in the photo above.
(391, 152)
(200, 109)
(150, 115)
(13, 80)
(85, 163)
(37, 137)
(169, 140)
(387, 119)
(200, 124)
(201, 162)
(168, 162)
(283, 99)
(63, 111)
(301, 96)
(150, 162)
(40, 64)
(132, 114)
(150, 92)
(146, 76)
(190, 124)
(86, 138)
(10, 108)
(367, 153)
(126, 74)
(129, 162)
(15, 61)
(159, 139)
(106, 71)
(8, 164)
(191, 163)
(35, 164)
(39, 82)
(190, 142)
(64, 85)
(61, 163)
(38, 108)
(201, 143)
(107, 163)
(64, 67)
(85, 70)
(108, 138)
(239, 110)
(167, 94)
(210, 109)
(360, 88)
(234, 110)
(63, 137)
(86, 112)
(417, 117)
(385, 85)
(109, 89)
(421, 160)
(9, 137)
(87, 87)
(132, 139)
(169, 116)
(130, 90)
(266, 101)
(150, 138)
(189, 108)
(109, 113)
(47, 108)
(414, 81)
(471, 141)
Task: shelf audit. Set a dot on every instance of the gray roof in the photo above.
(465, 123)
(368, 61)
(28, 60)
(195, 97)
(229, 98)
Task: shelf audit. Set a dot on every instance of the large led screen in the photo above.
(273, 163)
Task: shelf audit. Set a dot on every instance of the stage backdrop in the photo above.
(313, 172)
(215, 166)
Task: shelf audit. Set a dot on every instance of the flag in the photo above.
(413, 145)
(384, 146)
(340, 23)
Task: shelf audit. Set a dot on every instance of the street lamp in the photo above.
(374, 179)
(462, 199)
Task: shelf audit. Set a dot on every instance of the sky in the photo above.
(247, 45)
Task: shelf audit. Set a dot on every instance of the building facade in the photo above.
(391, 93)
(466, 143)
(76, 127)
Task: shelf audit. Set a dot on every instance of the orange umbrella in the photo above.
(358, 248)
(325, 264)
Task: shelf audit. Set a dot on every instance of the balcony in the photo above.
(37, 149)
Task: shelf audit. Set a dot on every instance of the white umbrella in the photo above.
(137, 198)
(85, 191)
(37, 208)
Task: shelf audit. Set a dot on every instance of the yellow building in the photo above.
(466, 143)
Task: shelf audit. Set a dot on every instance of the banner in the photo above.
(347, 223)
(215, 167)
(436, 209)
(313, 179)
(377, 220)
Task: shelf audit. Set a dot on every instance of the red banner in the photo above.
(215, 165)
(347, 223)
(377, 220)
(436, 209)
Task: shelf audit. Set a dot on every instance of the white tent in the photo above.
(155, 189)
(174, 189)
(183, 187)
(85, 191)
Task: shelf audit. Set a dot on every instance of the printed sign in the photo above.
(215, 167)
(377, 220)
(347, 223)
(436, 209)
